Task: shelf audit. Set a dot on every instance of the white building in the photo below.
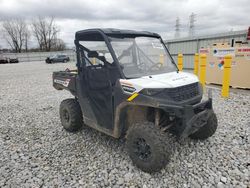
(190, 45)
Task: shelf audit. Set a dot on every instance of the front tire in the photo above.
(207, 130)
(71, 115)
(147, 147)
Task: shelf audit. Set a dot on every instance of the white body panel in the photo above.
(166, 80)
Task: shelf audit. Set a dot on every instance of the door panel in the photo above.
(100, 95)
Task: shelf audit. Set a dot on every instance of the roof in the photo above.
(96, 34)
(212, 36)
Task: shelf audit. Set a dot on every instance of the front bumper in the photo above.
(191, 117)
(196, 117)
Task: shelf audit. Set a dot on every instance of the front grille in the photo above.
(181, 93)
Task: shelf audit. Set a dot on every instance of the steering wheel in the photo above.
(157, 65)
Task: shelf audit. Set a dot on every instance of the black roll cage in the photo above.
(94, 35)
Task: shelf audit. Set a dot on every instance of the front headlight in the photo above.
(151, 91)
(128, 89)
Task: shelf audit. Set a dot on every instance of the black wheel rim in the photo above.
(66, 116)
(141, 149)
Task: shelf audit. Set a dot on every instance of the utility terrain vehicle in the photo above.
(127, 84)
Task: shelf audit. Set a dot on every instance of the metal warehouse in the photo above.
(190, 45)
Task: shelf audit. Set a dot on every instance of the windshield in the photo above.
(142, 56)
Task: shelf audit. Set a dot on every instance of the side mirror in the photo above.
(92, 54)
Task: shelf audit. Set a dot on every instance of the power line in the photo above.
(177, 28)
(192, 20)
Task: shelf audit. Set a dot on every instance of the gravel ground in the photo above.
(36, 152)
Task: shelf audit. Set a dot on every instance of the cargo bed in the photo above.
(65, 80)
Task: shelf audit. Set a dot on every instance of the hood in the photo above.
(166, 80)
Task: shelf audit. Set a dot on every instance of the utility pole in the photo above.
(177, 28)
(192, 20)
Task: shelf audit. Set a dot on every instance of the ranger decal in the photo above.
(65, 83)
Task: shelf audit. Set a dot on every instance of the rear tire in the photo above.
(71, 115)
(147, 147)
(65, 61)
(207, 130)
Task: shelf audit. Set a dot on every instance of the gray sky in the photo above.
(155, 15)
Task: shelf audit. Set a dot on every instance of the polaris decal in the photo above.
(180, 78)
(65, 83)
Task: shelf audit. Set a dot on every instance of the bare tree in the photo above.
(58, 45)
(16, 34)
(45, 31)
(26, 37)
